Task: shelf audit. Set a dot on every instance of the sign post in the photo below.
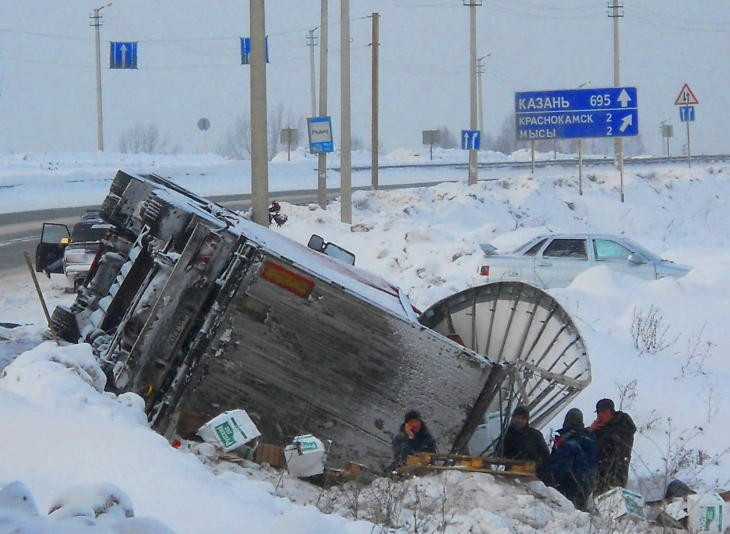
(289, 136)
(687, 102)
(431, 137)
(577, 114)
(204, 125)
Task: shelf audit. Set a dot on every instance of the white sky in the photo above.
(189, 65)
(58, 432)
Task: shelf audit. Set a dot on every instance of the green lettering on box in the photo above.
(225, 434)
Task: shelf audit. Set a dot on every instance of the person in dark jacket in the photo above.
(522, 442)
(571, 468)
(413, 437)
(614, 433)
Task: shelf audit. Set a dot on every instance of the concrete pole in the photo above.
(618, 142)
(480, 102)
(96, 22)
(473, 178)
(322, 157)
(375, 124)
(259, 144)
(346, 118)
(311, 45)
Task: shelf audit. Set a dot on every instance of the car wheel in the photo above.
(107, 208)
(65, 325)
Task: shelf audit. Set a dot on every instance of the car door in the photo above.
(561, 261)
(612, 253)
(54, 239)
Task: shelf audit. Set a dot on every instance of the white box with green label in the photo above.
(229, 430)
(305, 457)
(620, 502)
(706, 513)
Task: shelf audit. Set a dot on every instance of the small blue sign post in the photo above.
(123, 55)
(471, 140)
(687, 113)
(246, 50)
(576, 114)
(320, 134)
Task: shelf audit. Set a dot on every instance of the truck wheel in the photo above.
(153, 208)
(64, 322)
(119, 184)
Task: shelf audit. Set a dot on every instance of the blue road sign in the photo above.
(246, 50)
(320, 134)
(123, 55)
(687, 113)
(471, 140)
(576, 114)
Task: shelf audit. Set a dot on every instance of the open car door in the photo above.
(54, 239)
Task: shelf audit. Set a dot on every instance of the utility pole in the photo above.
(311, 43)
(375, 125)
(96, 23)
(346, 118)
(615, 14)
(473, 84)
(259, 145)
(322, 156)
(480, 102)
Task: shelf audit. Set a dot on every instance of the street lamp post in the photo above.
(480, 71)
(96, 23)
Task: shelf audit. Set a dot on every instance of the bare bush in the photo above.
(236, 142)
(649, 332)
(698, 350)
(145, 139)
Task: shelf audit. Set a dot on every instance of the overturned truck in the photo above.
(197, 309)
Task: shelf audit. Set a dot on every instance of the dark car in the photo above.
(71, 253)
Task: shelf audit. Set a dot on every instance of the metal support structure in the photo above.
(346, 117)
(375, 123)
(615, 14)
(259, 142)
(473, 4)
(580, 166)
(689, 148)
(322, 156)
(311, 43)
(96, 23)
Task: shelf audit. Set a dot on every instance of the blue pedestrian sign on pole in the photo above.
(246, 50)
(320, 134)
(687, 113)
(576, 114)
(471, 140)
(123, 55)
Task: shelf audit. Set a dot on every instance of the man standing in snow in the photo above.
(412, 438)
(614, 433)
(522, 442)
(571, 468)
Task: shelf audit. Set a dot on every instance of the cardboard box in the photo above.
(305, 457)
(229, 430)
(706, 512)
(620, 502)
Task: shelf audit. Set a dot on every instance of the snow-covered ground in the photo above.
(68, 442)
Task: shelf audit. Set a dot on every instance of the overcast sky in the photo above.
(189, 65)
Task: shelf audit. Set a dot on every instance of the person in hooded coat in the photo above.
(614, 433)
(412, 437)
(522, 442)
(571, 468)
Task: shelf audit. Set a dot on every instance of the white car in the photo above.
(555, 260)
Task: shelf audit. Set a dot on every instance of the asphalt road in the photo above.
(21, 232)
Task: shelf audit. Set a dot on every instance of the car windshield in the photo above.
(88, 231)
(635, 247)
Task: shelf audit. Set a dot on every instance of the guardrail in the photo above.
(551, 163)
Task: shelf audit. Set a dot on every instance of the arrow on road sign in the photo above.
(124, 56)
(686, 97)
(624, 98)
(628, 121)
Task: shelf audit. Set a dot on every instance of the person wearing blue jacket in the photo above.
(413, 437)
(571, 468)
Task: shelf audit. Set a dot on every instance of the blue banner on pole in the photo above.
(123, 55)
(246, 50)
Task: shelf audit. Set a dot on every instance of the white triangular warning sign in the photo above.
(686, 97)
